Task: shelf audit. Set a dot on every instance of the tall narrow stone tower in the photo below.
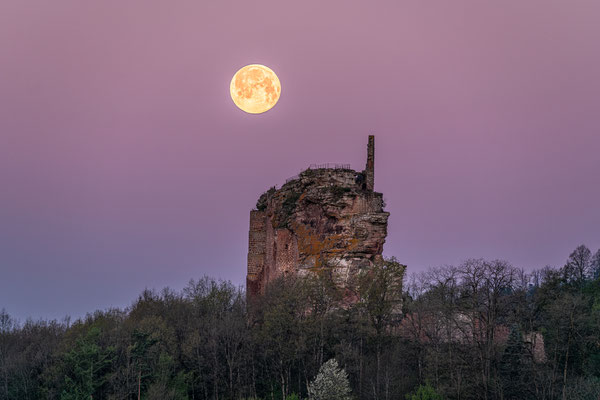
(370, 168)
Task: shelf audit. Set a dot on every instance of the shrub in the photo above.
(424, 392)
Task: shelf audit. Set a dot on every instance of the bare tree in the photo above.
(578, 266)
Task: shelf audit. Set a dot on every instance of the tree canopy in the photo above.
(482, 329)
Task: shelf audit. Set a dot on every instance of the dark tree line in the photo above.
(480, 330)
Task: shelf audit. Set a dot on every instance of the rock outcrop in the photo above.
(325, 218)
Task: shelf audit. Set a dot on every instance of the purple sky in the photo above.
(124, 164)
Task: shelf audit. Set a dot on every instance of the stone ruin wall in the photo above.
(257, 242)
(324, 218)
(271, 252)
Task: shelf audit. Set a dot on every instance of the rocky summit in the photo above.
(328, 218)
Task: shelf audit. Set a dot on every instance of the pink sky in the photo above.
(124, 164)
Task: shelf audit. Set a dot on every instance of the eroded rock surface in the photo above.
(326, 218)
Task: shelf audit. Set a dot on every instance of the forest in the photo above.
(483, 329)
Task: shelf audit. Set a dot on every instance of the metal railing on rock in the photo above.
(320, 166)
(329, 166)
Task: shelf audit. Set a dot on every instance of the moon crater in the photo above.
(255, 88)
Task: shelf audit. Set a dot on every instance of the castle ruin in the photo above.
(327, 217)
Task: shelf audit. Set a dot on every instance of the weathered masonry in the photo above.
(328, 216)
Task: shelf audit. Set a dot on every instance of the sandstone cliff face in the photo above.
(324, 219)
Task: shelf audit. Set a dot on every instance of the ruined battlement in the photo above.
(325, 218)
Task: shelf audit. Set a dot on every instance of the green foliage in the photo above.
(338, 192)
(86, 367)
(424, 392)
(288, 207)
(331, 383)
(203, 342)
(262, 201)
(140, 351)
(514, 366)
(290, 202)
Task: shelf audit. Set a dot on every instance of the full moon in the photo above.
(255, 88)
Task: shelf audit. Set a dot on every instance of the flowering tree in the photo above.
(331, 383)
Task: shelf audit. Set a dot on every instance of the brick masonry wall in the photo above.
(257, 240)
